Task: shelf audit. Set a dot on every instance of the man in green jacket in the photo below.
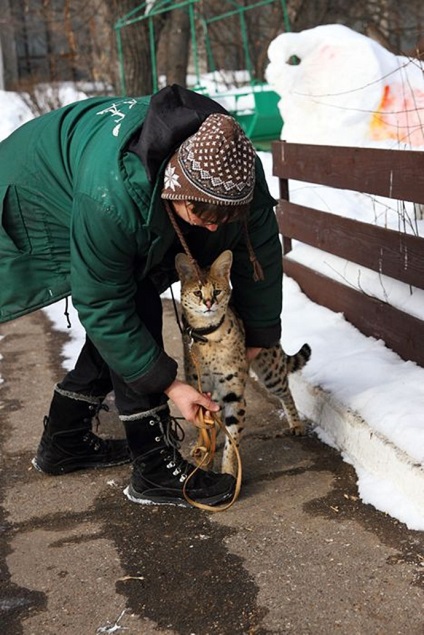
(96, 199)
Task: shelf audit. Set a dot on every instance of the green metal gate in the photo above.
(255, 105)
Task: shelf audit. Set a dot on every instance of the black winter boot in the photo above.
(159, 470)
(68, 444)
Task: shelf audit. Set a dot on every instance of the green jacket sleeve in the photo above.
(104, 252)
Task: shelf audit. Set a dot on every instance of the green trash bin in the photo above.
(263, 122)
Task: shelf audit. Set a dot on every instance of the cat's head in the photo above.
(207, 299)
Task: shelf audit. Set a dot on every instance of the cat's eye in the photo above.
(217, 292)
(197, 293)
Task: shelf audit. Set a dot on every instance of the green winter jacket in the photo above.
(81, 214)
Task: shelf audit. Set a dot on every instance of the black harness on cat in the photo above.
(198, 335)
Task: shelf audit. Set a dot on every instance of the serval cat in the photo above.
(214, 336)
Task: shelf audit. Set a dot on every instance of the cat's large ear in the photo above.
(184, 268)
(222, 265)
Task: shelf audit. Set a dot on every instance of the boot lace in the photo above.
(95, 409)
(93, 441)
(173, 435)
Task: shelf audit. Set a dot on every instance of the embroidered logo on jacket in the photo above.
(115, 111)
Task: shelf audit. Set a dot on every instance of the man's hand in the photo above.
(252, 352)
(188, 400)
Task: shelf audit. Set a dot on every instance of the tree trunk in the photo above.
(178, 47)
(137, 55)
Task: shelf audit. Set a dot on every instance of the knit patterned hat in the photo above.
(215, 165)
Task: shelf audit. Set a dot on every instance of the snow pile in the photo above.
(17, 109)
(14, 112)
(338, 87)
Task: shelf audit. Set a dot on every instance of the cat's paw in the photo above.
(229, 465)
(298, 429)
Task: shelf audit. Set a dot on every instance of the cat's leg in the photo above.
(234, 414)
(296, 425)
(270, 367)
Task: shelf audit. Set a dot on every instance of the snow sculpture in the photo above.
(346, 89)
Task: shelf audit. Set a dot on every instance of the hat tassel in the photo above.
(258, 272)
(182, 240)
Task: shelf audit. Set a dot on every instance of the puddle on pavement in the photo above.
(179, 573)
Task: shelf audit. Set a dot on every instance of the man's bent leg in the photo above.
(68, 443)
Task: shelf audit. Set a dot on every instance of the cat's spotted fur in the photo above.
(214, 337)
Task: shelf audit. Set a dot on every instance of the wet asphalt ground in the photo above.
(298, 553)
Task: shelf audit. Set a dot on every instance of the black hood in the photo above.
(174, 114)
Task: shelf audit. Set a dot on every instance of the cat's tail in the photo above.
(298, 360)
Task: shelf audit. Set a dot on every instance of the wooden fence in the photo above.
(391, 173)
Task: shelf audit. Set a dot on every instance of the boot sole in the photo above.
(135, 497)
(66, 469)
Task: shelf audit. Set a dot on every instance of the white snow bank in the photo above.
(14, 112)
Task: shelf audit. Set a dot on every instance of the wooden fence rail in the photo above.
(390, 173)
